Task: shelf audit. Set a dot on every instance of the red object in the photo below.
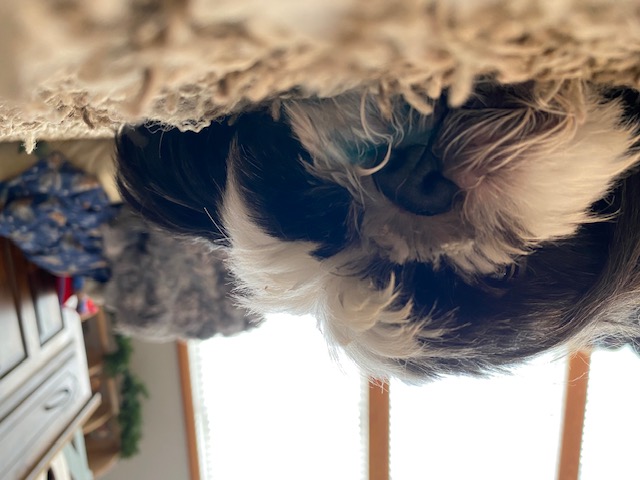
(65, 289)
(88, 307)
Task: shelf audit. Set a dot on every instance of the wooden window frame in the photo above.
(189, 413)
(574, 413)
(378, 430)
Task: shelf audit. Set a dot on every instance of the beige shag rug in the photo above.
(80, 68)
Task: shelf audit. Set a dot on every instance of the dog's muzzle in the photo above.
(413, 180)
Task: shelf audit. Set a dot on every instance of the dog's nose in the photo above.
(412, 179)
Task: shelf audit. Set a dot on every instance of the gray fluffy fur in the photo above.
(163, 288)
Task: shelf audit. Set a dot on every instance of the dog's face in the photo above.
(450, 240)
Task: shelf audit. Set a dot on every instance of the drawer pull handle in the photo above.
(59, 398)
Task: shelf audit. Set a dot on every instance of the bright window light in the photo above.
(272, 404)
(612, 423)
(501, 428)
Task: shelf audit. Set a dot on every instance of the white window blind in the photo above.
(612, 422)
(501, 428)
(272, 404)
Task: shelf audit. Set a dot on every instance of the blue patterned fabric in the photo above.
(53, 212)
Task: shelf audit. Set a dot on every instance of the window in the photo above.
(272, 404)
(610, 445)
(498, 428)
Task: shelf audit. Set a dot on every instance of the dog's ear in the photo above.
(175, 179)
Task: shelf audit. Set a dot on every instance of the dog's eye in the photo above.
(507, 274)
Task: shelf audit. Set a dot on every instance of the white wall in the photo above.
(163, 449)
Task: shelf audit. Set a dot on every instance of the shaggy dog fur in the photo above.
(194, 301)
(425, 241)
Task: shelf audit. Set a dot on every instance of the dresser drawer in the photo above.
(44, 383)
(27, 431)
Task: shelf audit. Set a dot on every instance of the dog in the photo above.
(427, 239)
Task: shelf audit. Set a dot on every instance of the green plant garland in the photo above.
(131, 391)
